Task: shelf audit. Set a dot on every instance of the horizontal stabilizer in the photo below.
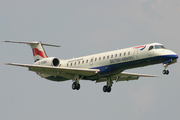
(29, 43)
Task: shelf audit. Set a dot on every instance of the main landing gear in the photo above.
(165, 72)
(76, 85)
(107, 88)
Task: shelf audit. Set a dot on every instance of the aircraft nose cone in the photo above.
(173, 55)
(176, 56)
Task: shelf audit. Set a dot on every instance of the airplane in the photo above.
(103, 67)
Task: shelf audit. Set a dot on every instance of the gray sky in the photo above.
(83, 28)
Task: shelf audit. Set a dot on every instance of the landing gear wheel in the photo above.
(165, 72)
(76, 86)
(107, 89)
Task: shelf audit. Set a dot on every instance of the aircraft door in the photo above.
(151, 53)
(136, 54)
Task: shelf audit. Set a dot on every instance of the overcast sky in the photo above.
(84, 27)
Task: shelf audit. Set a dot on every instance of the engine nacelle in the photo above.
(51, 61)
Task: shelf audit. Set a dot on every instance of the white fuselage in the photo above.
(115, 57)
(114, 62)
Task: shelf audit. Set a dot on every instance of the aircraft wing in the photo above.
(57, 70)
(125, 76)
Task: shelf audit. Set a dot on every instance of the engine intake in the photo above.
(55, 62)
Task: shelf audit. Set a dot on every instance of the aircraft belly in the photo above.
(56, 78)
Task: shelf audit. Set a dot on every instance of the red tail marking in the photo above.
(38, 52)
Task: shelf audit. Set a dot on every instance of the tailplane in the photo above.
(37, 49)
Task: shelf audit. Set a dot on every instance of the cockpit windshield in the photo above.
(159, 47)
(156, 47)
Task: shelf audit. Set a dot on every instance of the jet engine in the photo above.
(51, 61)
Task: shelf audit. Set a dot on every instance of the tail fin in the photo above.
(37, 49)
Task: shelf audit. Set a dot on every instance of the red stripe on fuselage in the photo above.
(140, 46)
(38, 52)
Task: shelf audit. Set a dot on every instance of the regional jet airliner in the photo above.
(103, 67)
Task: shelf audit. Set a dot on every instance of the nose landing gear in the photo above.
(165, 72)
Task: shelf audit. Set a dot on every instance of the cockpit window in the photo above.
(151, 47)
(159, 47)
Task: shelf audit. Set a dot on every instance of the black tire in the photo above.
(74, 86)
(109, 89)
(167, 72)
(78, 86)
(105, 88)
(164, 72)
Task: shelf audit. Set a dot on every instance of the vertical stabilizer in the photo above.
(38, 51)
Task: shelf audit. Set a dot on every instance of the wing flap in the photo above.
(55, 70)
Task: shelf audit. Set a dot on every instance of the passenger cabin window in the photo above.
(108, 57)
(115, 55)
(128, 53)
(159, 47)
(150, 48)
(120, 54)
(104, 58)
(111, 56)
(79, 62)
(83, 62)
(99, 58)
(124, 54)
(86, 61)
(75, 63)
